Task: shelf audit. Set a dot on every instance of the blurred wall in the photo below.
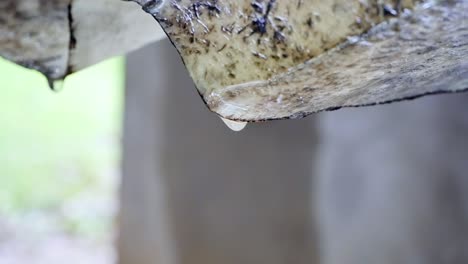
(393, 183)
(384, 184)
(195, 192)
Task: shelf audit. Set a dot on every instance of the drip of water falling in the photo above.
(55, 85)
(234, 125)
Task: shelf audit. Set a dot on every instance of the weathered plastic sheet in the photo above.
(58, 37)
(36, 34)
(263, 60)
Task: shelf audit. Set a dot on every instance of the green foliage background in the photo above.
(59, 152)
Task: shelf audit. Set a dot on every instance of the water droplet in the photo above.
(353, 39)
(279, 99)
(153, 7)
(55, 85)
(234, 125)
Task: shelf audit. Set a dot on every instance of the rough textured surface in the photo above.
(249, 59)
(230, 42)
(244, 55)
(421, 53)
(35, 34)
(58, 37)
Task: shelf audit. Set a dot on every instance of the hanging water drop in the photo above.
(234, 125)
(55, 85)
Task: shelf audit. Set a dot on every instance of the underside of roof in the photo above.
(262, 59)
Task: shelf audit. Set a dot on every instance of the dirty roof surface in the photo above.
(262, 59)
(265, 60)
(59, 37)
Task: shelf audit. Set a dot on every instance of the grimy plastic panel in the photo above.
(59, 37)
(261, 60)
(254, 60)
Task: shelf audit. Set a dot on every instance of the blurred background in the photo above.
(59, 164)
(163, 181)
